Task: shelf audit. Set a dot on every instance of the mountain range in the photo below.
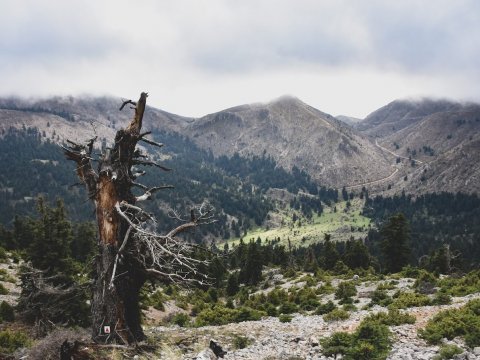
(418, 146)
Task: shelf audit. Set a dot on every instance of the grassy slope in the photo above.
(339, 224)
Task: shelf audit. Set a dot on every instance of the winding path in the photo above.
(387, 177)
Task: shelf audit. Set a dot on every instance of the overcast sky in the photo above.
(200, 56)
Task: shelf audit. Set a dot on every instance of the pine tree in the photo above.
(395, 243)
(251, 271)
(51, 237)
(330, 254)
(232, 284)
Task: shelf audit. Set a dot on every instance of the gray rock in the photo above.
(206, 354)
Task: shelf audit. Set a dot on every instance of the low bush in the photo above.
(221, 315)
(371, 340)
(180, 319)
(410, 272)
(336, 315)
(285, 318)
(3, 290)
(441, 298)
(5, 276)
(403, 300)
(452, 323)
(156, 299)
(12, 340)
(241, 342)
(468, 284)
(380, 297)
(288, 308)
(345, 290)
(392, 318)
(425, 283)
(325, 308)
(325, 289)
(6, 312)
(48, 347)
(387, 285)
(447, 352)
(3, 255)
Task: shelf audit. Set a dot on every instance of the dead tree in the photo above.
(129, 252)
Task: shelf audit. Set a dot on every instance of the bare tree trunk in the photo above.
(115, 308)
(127, 252)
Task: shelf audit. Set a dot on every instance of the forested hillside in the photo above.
(236, 187)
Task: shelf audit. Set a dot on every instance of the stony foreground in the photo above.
(300, 339)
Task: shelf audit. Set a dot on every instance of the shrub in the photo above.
(452, 323)
(3, 254)
(380, 297)
(425, 283)
(241, 342)
(5, 276)
(271, 310)
(156, 300)
(48, 347)
(309, 304)
(377, 336)
(441, 298)
(387, 285)
(325, 289)
(392, 318)
(338, 343)
(288, 308)
(325, 308)
(410, 272)
(285, 318)
(12, 340)
(3, 290)
(405, 300)
(468, 284)
(6, 312)
(345, 290)
(371, 340)
(221, 315)
(277, 296)
(349, 307)
(448, 352)
(336, 314)
(180, 319)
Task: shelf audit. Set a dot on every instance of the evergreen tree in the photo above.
(232, 284)
(51, 237)
(83, 244)
(395, 243)
(251, 271)
(330, 254)
(357, 255)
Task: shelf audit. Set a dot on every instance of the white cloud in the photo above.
(199, 56)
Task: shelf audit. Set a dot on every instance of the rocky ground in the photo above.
(300, 339)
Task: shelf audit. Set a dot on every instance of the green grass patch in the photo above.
(341, 224)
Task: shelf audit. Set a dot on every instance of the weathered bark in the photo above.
(127, 252)
(118, 277)
(115, 303)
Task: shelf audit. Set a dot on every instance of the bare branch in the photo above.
(81, 154)
(150, 163)
(151, 142)
(148, 193)
(165, 256)
(119, 252)
(127, 102)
